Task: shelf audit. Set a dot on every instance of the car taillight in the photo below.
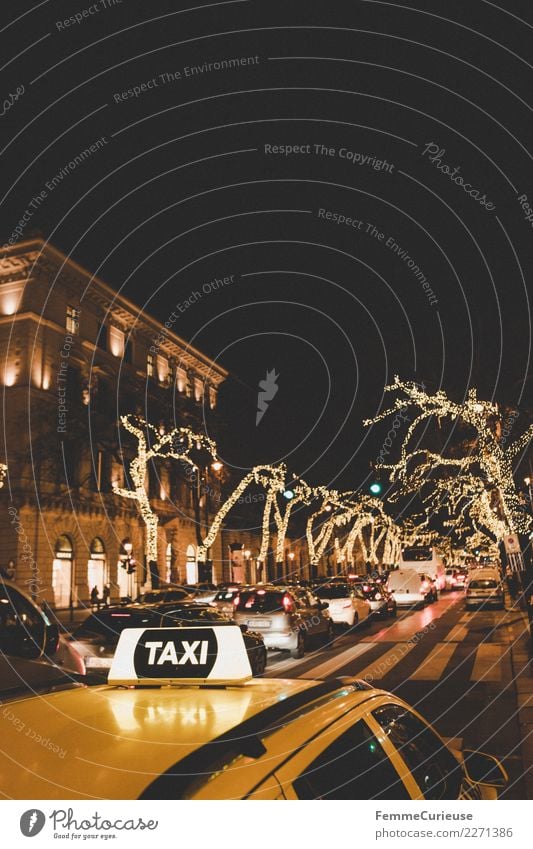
(425, 585)
(287, 603)
(365, 588)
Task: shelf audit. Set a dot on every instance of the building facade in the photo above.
(74, 356)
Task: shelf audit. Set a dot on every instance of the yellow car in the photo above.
(182, 718)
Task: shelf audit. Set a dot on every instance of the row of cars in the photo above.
(288, 617)
(181, 717)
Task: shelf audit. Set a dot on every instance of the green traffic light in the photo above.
(375, 488)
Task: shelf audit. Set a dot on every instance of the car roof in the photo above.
(117, 740)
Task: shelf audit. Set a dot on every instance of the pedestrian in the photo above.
(95, 598)
(105, 595)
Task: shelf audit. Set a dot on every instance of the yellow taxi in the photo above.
(182, 718)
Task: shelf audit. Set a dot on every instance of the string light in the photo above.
(466, 482)
(175, 444)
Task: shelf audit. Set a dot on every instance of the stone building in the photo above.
(74, 356)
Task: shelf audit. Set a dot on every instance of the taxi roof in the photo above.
(110, 742)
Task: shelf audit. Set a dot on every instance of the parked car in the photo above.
(485, 587)
(347, 604)
(96, 638)
(203, 593)
(382, 602)
(163, 594)
(25, 629)
(223, 599)
(411, 587)
(287, 618)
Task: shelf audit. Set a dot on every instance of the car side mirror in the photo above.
(323, 604)
(481, 768)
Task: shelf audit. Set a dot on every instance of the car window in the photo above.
(431, 763)
(483, 585)
(354, 766)
(334, 591)
(263, 602)
(192, 616)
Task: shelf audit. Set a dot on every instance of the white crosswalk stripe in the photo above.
(340, 660)
(487, 665)
(435, 663)
(383, 665)
(457, 634)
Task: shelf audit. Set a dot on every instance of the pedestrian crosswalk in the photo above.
(479, 656)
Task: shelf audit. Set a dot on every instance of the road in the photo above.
(465, 671)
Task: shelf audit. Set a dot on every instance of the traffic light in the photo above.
(375, 488)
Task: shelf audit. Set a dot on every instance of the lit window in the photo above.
(162, 369)
(150, 365)
(72, 323)
(181, 379)
(198, 389)
(116, 341)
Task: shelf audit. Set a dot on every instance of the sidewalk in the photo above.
(522, 664)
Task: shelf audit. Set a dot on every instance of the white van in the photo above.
(411, 587)
(427, 560)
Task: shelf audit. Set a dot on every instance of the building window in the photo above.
(162, 369)
(198, 389)
(116, 341)
(72, 323)
(150, 365)
(101, 336)
(62, 571)
(97, 567)
(181, 379)
(212, 397)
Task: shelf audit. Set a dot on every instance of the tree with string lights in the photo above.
(178, 443)
(480, 483)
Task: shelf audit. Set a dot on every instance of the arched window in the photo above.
(97, 566)
(62, 571)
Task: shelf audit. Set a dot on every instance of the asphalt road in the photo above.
(455, 666)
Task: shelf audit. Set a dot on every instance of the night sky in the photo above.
(411, 120)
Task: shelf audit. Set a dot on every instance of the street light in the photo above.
(216, 465)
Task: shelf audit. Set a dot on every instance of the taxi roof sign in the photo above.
(180, 656)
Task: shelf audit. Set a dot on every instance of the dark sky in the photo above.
(183, 193)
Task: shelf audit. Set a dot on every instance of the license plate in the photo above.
(97, 662)
(259, 623)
